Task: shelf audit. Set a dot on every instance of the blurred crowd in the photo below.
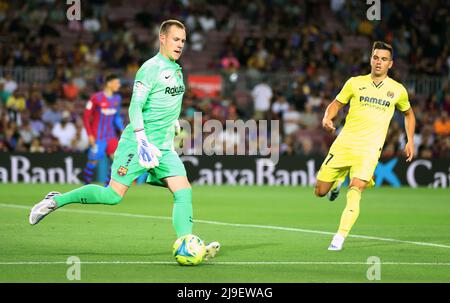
(295, 53)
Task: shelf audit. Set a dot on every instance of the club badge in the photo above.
(122, 171)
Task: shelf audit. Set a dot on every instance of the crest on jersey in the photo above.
(122, 171)
(390, 94)
(179, 74)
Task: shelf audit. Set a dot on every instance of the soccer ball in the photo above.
(189, 250)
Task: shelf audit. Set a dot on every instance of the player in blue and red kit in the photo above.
(102, 121)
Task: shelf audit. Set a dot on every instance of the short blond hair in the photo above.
(165, 26)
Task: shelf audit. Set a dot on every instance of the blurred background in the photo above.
(280, 59)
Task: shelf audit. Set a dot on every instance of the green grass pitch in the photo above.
(268, 234)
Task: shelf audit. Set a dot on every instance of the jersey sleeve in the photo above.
(88, 113)
(346, 92)
(403, 101)
(144, 82)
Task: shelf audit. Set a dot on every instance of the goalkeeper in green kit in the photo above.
(146, 143)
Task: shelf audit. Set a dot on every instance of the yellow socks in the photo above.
(351, 211)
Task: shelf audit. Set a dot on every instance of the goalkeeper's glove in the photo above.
(177, 128)
(147, 152)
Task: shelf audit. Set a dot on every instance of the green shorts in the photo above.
(125, 167)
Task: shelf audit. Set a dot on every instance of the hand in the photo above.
(328, 125)
(177, 128)
(409, 151)
(147, 152)
(91, 141)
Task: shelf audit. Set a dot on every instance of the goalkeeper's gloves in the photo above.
(177, 128)
(147, 152)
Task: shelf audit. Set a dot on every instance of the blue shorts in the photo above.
(102, 148)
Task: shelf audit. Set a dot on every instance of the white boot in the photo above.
(337, 242)
(43, 208)
(211, 250)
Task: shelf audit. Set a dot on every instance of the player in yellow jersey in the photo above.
(372, 99)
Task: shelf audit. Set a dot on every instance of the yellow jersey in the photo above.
(371, 109)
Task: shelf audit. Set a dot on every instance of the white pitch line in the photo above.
(221, 263)
(93, 212)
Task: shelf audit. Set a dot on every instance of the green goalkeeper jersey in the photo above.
(156, 101)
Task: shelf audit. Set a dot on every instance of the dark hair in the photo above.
(164, 29)
(383, 45)
(111, 77)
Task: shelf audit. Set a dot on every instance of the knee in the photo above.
(115, 195)
(116, 200)
(319, 192)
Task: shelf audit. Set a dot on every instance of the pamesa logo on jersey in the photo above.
(376, 101)
(175, 90)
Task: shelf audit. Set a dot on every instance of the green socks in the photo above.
(95, 194)
(89, 194)
(182, 212)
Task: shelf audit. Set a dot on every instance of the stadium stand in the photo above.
(303, 49)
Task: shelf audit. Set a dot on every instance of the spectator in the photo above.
(298, 99)
(80, 142)
(197, 41)
(36, 146)
(15, 105)
(425, 152)
(37, 126)
(309, 119)
(337, 5)
(291, 121)
(52, 114)
(307, 147)
(64, 131)
(207, 21)
(287, 147)
(9, 84)
(16, 102)
(49, 94)
(11, 137)
(4, 95)
(442, 125)
(229, 62)
(3, 147)
(315, 100)
(91, 24)
(27, 134)
(262, 94)
(70, 90)
(279, 107)
(47, 29)
(34, 105)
